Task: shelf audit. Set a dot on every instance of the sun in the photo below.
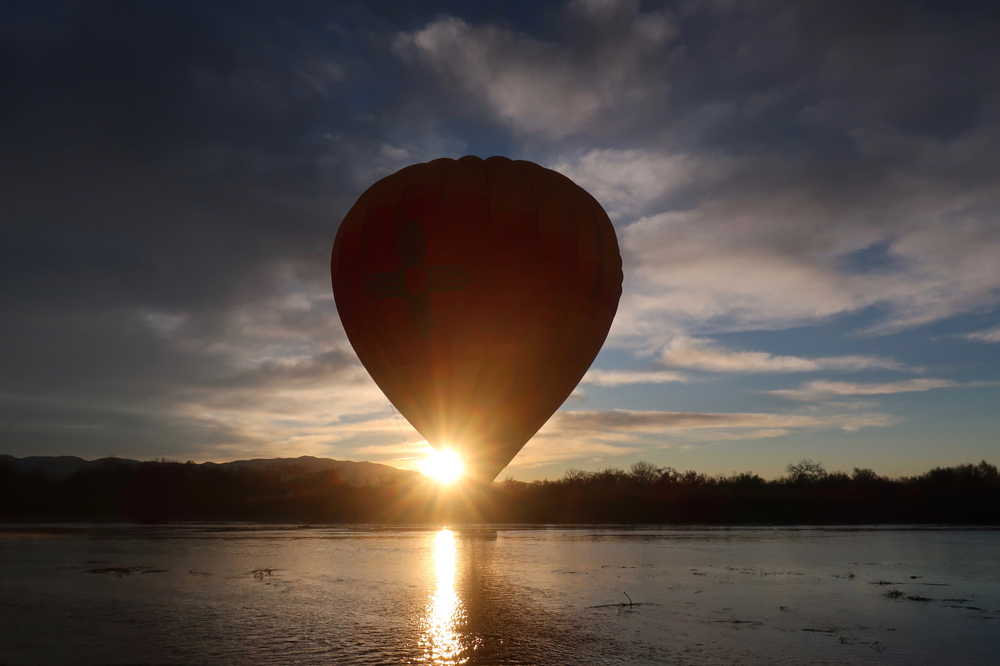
(444, 466)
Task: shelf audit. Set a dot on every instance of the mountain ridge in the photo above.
(359, 472)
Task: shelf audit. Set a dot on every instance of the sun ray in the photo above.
(444, 466)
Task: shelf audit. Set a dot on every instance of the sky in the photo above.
(805, 195)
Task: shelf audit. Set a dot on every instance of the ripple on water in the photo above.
(521, 596)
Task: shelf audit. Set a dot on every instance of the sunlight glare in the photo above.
(444, 466)
(441, 641)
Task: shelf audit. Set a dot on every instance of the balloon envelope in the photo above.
(477, 293)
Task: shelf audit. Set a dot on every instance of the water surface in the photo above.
(250, 594)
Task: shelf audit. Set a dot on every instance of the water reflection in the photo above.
(441, 642)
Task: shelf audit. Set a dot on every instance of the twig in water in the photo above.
(626, 606)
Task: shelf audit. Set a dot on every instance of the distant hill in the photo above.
(58, 467)
(359, 473)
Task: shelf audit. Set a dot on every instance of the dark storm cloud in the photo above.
(95, 429)
(167, 187)
(319, 369)
(915, 65)
(731, 76)
(148, 152)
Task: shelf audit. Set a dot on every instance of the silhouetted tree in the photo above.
(154, 491)
(644, 473)
(805, 471)
(865, 475)
(746, 479)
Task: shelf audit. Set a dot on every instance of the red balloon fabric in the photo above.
(477, 293)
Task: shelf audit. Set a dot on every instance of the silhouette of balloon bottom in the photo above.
(477, 293)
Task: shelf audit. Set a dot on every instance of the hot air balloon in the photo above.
(477, 293)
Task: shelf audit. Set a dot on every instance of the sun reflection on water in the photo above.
(441, 640)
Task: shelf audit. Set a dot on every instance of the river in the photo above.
(255, 594)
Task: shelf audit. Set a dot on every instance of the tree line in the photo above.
(160, 491)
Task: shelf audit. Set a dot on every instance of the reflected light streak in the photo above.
(440, 641)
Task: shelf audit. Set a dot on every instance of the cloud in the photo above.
(947, 267)
(770, 245)
(322, 369)
(766, 433)
(830, 190)
(598, 434)
(539, 452)
(538, 87)
(820, 390)
(164, 259)
(704, 354)
(268, 376)
(624, 377)
(744, 205)
(371, 163)
(398, 454)
(986, 335)
(629, 181)
(621, 421)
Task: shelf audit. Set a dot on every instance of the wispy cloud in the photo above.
(620, 421)
(623, 377)
(546, 88)
(628, 182)
(597, 434)
(539, 452)
(754, 242)
(704, 354)
(397, 454)
(986, 335)
(820, 390)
